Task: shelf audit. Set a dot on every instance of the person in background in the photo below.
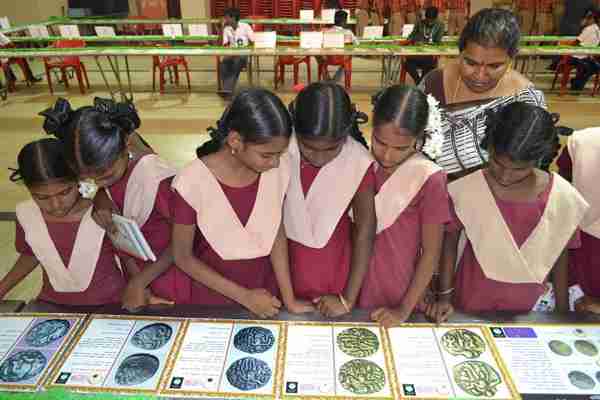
(339, 25)
(457, 16)
(235, 34)
(401, 12)
(574, 15)
(427, 31)
(369, 12)
(441, 5)
(587, 66)
(10, 76)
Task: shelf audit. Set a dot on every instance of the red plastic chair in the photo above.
(169, 63)
(65, 63)
(344, 61)
(283, 61)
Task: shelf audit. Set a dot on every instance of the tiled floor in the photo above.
(175, 123)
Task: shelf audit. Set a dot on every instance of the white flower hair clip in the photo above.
(88, 188)
(434, 142)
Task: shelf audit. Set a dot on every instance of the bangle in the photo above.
(344, 302)
(445, 292)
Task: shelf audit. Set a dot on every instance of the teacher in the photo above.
(481, 79)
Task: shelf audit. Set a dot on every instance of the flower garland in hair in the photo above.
(434, 142)
(88, 188)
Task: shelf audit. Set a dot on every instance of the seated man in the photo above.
(368, 11)
(339, 25)
(235, 34)
(587, 66)
(10, 76)
(427, 31)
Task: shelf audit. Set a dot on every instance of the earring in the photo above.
(130, 155)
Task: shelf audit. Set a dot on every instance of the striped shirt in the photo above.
(464, 129)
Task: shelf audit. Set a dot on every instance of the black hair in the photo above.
(403, 105)
(492, 27)
(323, 110)
(431, 12)
(340, 18)
(524, 133)
(232, 12)
(41, 161)
(256, 114)
(336, 4)
(93, 137)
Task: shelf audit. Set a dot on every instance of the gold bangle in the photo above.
(344, 303)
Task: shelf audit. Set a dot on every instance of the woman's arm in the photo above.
(442, 308)
(259, 301)
(432, 237)
(560, 281)
(363, 237)
(281, 266)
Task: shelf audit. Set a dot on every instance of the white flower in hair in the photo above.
(435, 137)
(88, 188)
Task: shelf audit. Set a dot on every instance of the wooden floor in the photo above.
(175, 123)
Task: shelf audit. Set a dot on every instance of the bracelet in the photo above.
(445, 292)
(344, 303)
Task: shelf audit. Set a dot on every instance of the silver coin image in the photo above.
(248, 373)
(560, 348)
(136, 369)
(586, 347)
(22, 366)
(581, 380)
(254, 339)
(152, 337)
(47, 332)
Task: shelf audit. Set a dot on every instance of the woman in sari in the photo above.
(480, 79)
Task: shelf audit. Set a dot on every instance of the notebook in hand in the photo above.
(129, 238)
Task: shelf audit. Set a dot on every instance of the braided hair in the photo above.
(256, 114)
(524, 133)
(93, 137)
(324, 110)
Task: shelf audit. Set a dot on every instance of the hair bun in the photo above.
(564, 131)
(15, 175)
(377, 96)
(56, 117)
(124, 114)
